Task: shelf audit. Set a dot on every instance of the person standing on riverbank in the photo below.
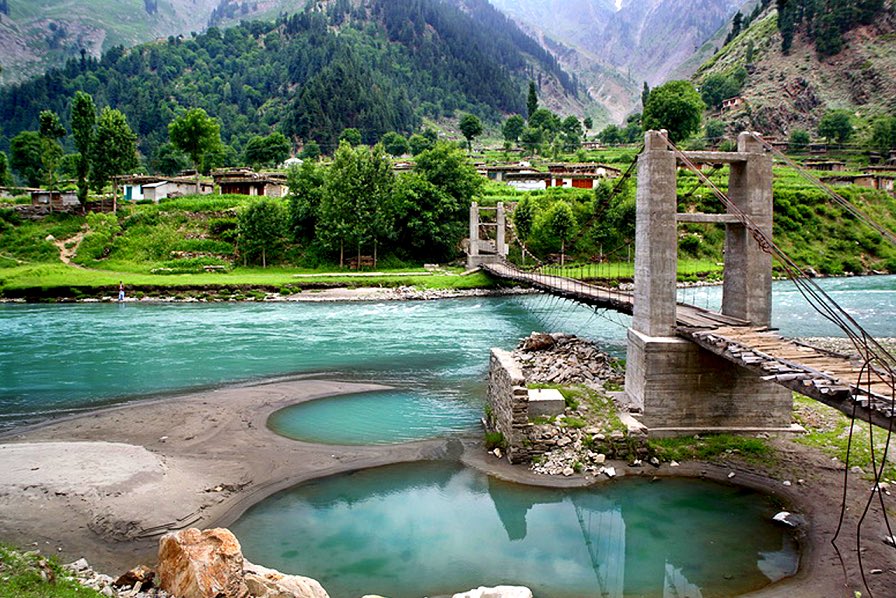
(120, 290)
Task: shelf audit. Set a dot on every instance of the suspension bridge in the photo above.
(691, 369)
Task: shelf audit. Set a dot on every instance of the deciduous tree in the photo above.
(261, 229)
(799, 140)
(513, 127)
(419, 143)
(270, 150)
(306, 184)
(351, 136)
(836, 125)
(310, 151)
(51, 131)
(83, 130)
(25, 156)
(675, 106)
(196, 134)
(114, 150)
(471, 128)
(395, 143)
(571, 130)
(883, 135)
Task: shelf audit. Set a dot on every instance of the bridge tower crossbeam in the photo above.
(487, 243)
(679, 387)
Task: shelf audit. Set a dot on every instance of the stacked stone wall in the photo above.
(508, 398)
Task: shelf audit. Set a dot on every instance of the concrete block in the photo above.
(679, 386)
(545, 402)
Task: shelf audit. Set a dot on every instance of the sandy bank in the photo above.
(105, 485)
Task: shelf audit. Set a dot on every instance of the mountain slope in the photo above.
(793, 90)
(376, 66)
(38, 34)
(615, 51)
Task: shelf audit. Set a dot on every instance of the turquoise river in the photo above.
(422, 528)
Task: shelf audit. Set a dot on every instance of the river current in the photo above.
(420, 529)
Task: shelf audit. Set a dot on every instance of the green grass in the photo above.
(687, 268)
(32, 575)
(709, 448)
(828, 430)
(601, 410)
(15, 281)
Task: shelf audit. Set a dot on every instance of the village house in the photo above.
(732, 103)
(576, 176)
(881, 180)
(402, 166)
(584, 168)
(137, 187)
(56, 200)
(499, 172)
(245, 181)
(825, 165)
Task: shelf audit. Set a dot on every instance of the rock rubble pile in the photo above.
(589, 433)
(566, 359)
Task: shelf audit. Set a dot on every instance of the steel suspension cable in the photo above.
(839, 199)
(869, 349)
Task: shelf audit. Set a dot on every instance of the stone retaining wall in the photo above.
(508, 398)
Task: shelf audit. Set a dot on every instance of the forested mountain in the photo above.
(616, 46)
(376, 65)
(40, 34)
(808, 58)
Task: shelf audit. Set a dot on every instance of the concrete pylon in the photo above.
(747, 290)
(486, 250)
(656, 239)
(678, 387)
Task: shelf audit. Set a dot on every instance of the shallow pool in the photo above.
(428, 529)
(384, 417)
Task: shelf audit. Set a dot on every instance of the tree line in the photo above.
(356, 206)
(824, 21)
(378, 66)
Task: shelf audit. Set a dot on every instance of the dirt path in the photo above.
(69, 247)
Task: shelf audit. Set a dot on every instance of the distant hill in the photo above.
(380, 65)
(784, 91)
(39, 34)
(615, 49)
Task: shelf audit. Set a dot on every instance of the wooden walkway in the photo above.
(825, 376)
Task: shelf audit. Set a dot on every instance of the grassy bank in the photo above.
(193, 243)
(33, 575)
(44, 281)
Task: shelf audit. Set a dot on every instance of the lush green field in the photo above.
(193, 242)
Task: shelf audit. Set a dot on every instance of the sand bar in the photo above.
(106, 484)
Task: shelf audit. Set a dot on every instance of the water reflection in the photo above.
(433, 529)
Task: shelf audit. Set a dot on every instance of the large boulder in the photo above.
(269, 583)
(497, 592)
(201, 564)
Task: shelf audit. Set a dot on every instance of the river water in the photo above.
(61, 358)
(419, 529)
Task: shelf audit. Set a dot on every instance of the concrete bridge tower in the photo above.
(679, 387)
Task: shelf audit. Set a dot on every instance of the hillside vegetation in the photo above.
(791, 86)
(201, 242)
(378, 66)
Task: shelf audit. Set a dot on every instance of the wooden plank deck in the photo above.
(825, 376)
(833, 379)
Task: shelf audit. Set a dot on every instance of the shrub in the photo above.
(495, 440)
